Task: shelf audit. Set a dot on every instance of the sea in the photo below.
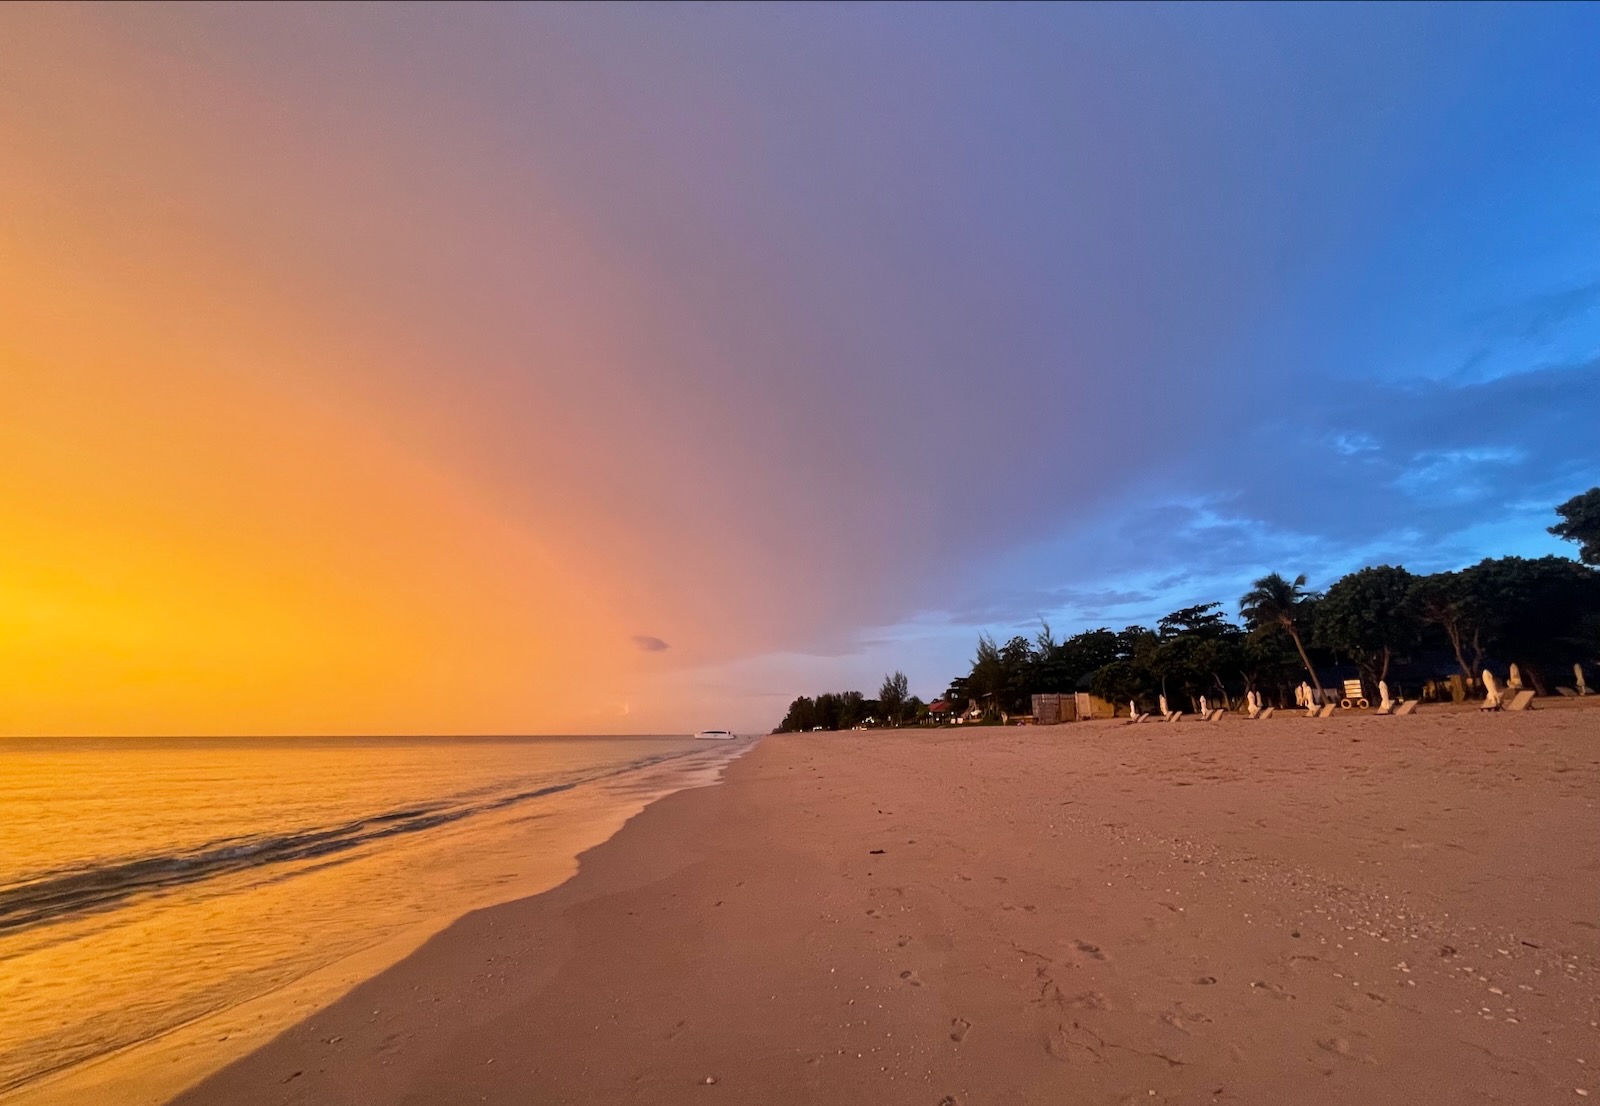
(167, 904)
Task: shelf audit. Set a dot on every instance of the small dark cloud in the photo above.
(650, 644)
(1536, 318)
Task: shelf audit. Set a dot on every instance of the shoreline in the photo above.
(1294, 910)
(153, 1070)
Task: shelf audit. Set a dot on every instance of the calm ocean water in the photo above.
(148, 885)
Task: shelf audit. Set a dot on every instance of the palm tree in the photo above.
(1274, 601)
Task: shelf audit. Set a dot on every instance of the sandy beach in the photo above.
(1348, 910)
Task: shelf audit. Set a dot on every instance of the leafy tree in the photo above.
(958, 694)
(1062, 666)
(1129, 674)
(802, 716)
(1273, 601)
(916, 710)
(1085, 652)
(986, 681)
(892, 697)
(1267, 661)
(1052, 673)
(869, 709)
(1451, 601)
(1204, 620)
(1137, 645)
(1544, 610)
(1371, 616)
(1119, 682)
(832, 710)
(1198, 645)
(1017, 663)
(1580, 522)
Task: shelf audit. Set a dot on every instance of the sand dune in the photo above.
(1349, 910)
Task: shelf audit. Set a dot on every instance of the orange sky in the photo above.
(195, 542)
(334, 404)
(212, 523)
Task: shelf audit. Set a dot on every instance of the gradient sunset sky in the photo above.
(419, 369)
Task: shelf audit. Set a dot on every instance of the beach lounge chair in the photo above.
(1266, 712)
(1327, 710)
(1569, 692)
(1216, 715)
(1174, 716)
(1407, 707)
(1522, 700)
(1493, 697)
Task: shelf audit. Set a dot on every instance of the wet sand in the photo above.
(1354, 909)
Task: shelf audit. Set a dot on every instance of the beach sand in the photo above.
(1347, 910)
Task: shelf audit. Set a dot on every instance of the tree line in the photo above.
(844, 710)
(1541, 613)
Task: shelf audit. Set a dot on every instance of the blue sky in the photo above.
(1348, 300)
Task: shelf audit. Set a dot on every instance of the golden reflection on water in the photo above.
(126, 971)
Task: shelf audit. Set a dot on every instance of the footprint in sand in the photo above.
(1341, 1046)
(1073, 1042)
(959, 1028)
(1272, 989)
(910, 978)
(1091, 951)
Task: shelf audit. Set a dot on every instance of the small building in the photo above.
(1088, 706)
(1050, 709)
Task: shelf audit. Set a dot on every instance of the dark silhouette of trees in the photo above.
(1198, 649)
(1546, 611)
(1371, 617)
(893, 696)
(1580, 522)
(1274, 602)
(832, 710)
(1451, 602)
(1541, 613)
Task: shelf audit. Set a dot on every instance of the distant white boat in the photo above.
(716, 735)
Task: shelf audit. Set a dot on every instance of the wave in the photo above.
(51, 897)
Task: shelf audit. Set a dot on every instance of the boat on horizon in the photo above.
(717, 735)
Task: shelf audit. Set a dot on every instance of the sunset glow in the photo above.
(401, 369)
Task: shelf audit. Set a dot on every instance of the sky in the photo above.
(617, 369)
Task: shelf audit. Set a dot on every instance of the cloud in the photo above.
(650, 644)
(1538, 317)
